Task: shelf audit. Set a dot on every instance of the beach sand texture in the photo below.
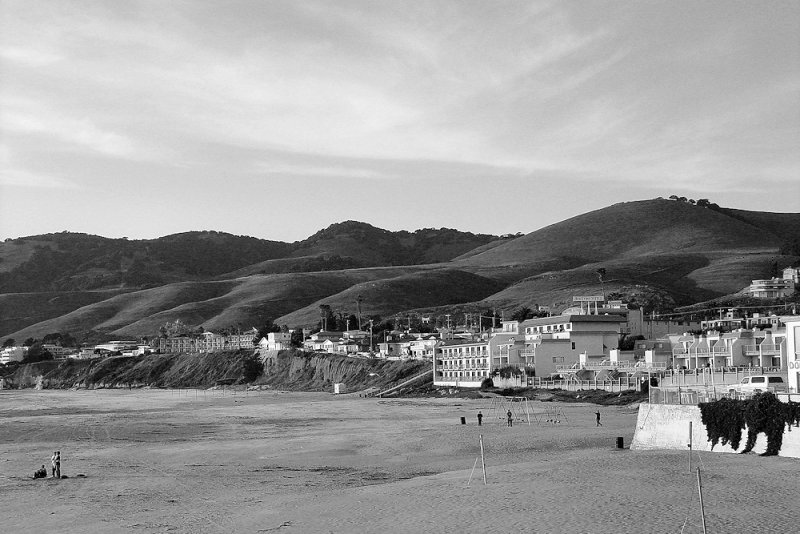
(169, 461)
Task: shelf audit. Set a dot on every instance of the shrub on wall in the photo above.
(726, 418)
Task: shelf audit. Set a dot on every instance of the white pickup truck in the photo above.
(759, 383)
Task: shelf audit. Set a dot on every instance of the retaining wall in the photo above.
(666, 426)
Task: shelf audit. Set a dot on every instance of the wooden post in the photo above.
(702, 509)
(483, 462)
(473, 470)
(690, 446)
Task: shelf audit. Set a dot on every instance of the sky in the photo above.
(275, 119)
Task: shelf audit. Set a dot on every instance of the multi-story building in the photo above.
(793, 274)
(12, 354)
(205, 342)
(741, 348)
(793, 351)
(774, 288)
(276, 341)
(555, 342)
(468, 362)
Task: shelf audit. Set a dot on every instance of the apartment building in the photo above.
(793, 351)
(553, 342)
(774, 288)
(468, 362)
(741, 348)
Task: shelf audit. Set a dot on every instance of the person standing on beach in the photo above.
(597, 414)
(510, 418)
(55, 462)
(480, 418)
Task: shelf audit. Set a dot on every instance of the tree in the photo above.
(297, 338)
(36, 353)
(601, 274)
(8, 342)
(521, 314)
(28, 342)
(324, 315)
(703, 202)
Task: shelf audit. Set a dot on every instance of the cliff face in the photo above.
(286, 370)
(316, 372)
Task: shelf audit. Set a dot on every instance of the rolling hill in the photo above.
(658, 253)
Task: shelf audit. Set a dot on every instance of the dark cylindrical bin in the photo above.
(620, 443)
(463, 420)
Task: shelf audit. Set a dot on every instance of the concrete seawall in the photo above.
(666, 426)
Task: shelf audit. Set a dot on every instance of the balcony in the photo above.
(679, 352)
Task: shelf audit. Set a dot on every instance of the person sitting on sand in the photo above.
(40, 473)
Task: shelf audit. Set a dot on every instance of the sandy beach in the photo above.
(147, 461)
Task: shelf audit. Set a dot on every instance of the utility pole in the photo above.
(358, 309)
(371, 343)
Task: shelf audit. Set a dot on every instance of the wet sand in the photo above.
(168, 461)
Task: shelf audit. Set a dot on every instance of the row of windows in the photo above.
(462, 351)
(548, 328)
(465, 374)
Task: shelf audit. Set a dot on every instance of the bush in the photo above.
(725, 420)
(487, 383)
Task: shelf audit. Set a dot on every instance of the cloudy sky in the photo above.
(276, 119)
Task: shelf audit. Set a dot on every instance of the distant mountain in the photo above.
(658, 254)
(373, 246)
(80, 262)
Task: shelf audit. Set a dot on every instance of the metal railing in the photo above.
(698, 393)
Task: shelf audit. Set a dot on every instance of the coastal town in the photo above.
(594, 344)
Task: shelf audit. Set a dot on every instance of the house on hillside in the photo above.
(773, 288)
(793, 274)
(276, 341)
(12, 354)
(316, 342)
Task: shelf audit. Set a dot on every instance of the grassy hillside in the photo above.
(18, 310)
(632, 229)
(391, 295)
(668, 253)
(242, 302)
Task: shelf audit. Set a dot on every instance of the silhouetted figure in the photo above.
(597, 414)
(510, 418)
(480, 418)
(40, 473)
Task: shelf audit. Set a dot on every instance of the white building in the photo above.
(792, 323)
(12, 354)
(774, 288)
(552, 343)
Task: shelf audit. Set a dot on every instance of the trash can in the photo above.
(463, 420)
(620, 444)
